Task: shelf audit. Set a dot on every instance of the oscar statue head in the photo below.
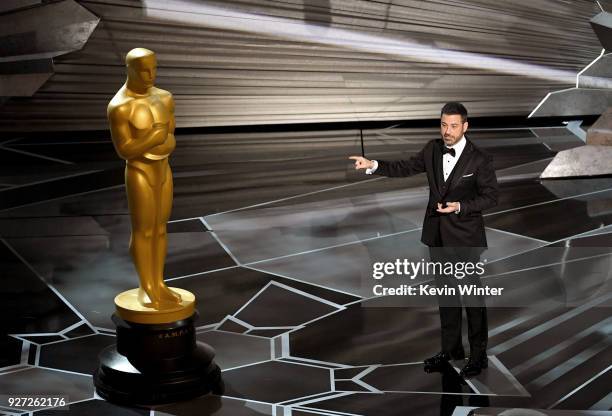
(141, 69)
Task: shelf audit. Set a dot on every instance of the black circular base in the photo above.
(156, 364)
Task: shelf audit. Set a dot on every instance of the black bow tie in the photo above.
(446, 150)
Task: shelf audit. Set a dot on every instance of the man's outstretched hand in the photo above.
(362, 162)
(450, 207)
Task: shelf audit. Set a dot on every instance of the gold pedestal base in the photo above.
(130, 309)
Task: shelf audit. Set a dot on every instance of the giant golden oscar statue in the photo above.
(141, 118)
(157, 358)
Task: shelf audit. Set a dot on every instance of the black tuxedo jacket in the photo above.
(472, 182)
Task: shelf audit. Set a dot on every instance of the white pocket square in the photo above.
(468, 175)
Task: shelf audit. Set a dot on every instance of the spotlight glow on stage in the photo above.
(206, 15)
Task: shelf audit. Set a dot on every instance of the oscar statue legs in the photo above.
(161, 245)
(150, 202)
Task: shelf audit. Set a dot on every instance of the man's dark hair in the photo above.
(455, 108)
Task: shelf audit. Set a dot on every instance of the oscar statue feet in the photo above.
(161, 297)
(169, 295)
(149, 297)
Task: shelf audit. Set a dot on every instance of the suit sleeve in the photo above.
(487, 189)
(399, 168)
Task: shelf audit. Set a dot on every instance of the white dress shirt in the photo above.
(448, 161)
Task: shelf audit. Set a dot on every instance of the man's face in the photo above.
(452, 128)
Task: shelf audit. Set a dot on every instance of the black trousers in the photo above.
(451, 303)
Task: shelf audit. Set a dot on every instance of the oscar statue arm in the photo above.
(128, 147)
(169, 144)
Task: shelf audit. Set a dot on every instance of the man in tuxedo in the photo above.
(462, 184)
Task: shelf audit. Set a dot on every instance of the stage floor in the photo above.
(276, 234)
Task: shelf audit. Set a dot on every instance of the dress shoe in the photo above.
(438, 362)
(474, 366)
